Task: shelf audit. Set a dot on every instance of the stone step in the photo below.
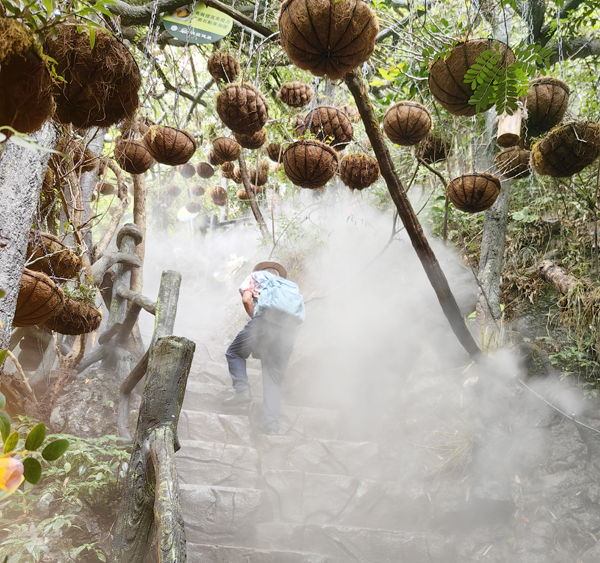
(230, 429)
(309, 498)
(222, 515)
(211, 463)
(198, 553)
(218, 374)
(359, 545)
(335, 457)
(205, 397)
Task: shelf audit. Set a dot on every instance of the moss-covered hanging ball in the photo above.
(327, 37)
(242, 108)
(359, 171)
(407, 123)
(310, 164)
(169, 145)
(473, 193)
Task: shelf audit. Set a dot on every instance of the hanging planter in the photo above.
(237, 175)
(242, 108)
(446, 76)
(205, 170)
(329, 124)
(76, 317)
(39, 299)
(351, 112)
(547, 102)
(567, 150)
(259, 175)
(327, 38)
(296, 94)
(407, 123)
(359, 171)
(25, 82)
(218, 195)
(214, 160)
(101, 83)
(187, 170)
(252, 142)
(513, 162)
(197, 190)
(132, 156)
(242, 194)
(193, 207)
(273, 151)
(433, 149)
(169, 145)
(474, 192)
(223, 67)
(225, 149)
(47, 254)
(310, 164)
(173, 191)
(227, 170)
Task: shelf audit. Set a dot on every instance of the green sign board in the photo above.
(205, 25)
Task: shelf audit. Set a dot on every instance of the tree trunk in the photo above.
(95, 142)
(251, 200)
(139, 218)
(22, 172)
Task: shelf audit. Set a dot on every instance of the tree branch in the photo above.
(576, 48)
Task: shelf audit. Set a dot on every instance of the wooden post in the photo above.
(509, 129)
(434, 272)
(151, 482)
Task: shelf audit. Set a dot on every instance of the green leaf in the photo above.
(4, 425)
(3, 354)
(11, 442)
(33, 470)
(2, 402)
(92, 37)
(2, 293)
(55, 449)
(36, 437)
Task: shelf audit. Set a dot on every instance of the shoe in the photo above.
(238, 398)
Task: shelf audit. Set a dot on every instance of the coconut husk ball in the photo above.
(193, 206)
(132, 156)
(223, 67)
(218, 195)
(237, 175)
(173, 191)
(197, 190)
(227, 170)
(187, 170)
(567, 150)
(359, 171)
(106, 188)
(242, 108)
(226, 150)
(205, 170)
(259, 174)
(547, 102)
(100, 85)
(407, 123)
(169, 145)
(329, 124)
(310, 164)
(214, 160)
(76, 317)
(351, 112)
(446, 76)
(296, 94)
(433, 149)
(39, 299)
(474, 192)
(47, 254)
(242, 195)
(273, 151)
(513, 162)
(325, 37)
(254, 141)
(26, 100)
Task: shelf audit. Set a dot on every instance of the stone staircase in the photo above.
(305, 496)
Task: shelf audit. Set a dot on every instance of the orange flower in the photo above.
(11, 475)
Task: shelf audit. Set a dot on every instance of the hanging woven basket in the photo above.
(39, 299)
(433, 149)
(474, 192)
(325, 37)
(252, 142)
(446, 76)
(223, 67)
(359, 171)
(227, 170)
(25, 83)
(197, 190)
(169, 145)
(407, 123)
(310, 164)
(513, 163)
(173, 191)
(193, 206)
(100, 85)
(237, 175)
(242, 108)
(351, 112)
(259, 175)
(242, 194)
(187, 170)
(132, 156)
(273, 151)
(214, 160)
(567, 150)
(76, 317)
(296, 94)
(226, 150)
(218, 195)
(330, 125)
(205, 170)
(547, 102)
(47, 254)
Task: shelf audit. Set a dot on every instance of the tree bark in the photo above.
(409, 218)
(139, 218)
(95, 143)
(251, 200)
(556, 276)
(22, 172)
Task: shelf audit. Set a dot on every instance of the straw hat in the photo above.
(275, 265)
